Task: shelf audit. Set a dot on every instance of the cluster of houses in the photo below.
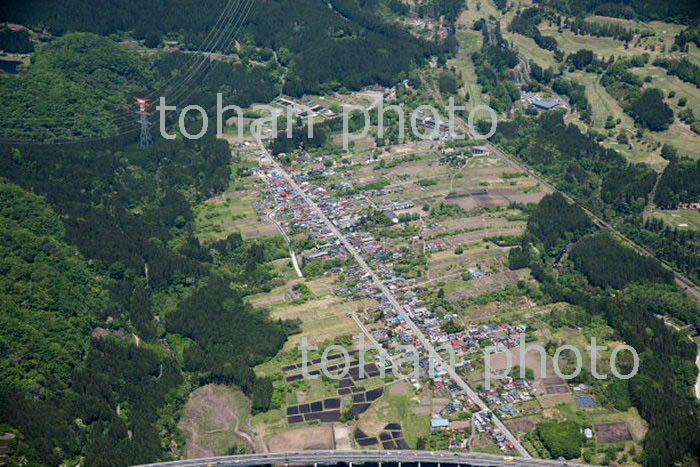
(430, 25)
(514, 391)
(480, 422)
(393, 331)
(308, 107)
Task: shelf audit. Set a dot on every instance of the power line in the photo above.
(214, 40)
(225, 14)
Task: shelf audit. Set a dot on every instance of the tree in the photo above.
(562, 439)
(651, 110)
(669, 152)
(152, 40)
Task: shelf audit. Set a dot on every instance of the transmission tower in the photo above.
(146, 140)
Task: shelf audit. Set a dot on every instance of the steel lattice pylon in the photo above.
(146, 139)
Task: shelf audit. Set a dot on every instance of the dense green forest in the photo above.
(346, 46)
(603, 181)
(91, 81)
(661, 390)
(51, 298)
(107, 238)
(679, 183)
(644, 10)
(74, 87)
(124, 213)
(651, 111)
(554, 223)
(15, 41)
(607, 263)
(322, 48)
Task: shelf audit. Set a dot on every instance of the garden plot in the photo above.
(301, 439)
(485, 284)
(606, 433)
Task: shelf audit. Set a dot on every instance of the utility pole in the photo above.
(146, 141)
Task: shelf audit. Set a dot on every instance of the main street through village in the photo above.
(427, 345)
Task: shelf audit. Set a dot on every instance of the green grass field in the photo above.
(530, 51)
(469, 42)
(602, 103)
(682, 219)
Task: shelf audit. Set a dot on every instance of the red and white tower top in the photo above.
(143, 104)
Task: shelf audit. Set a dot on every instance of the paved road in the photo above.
(330, 457)
(681, 280)
(432, 353)
(271, 217)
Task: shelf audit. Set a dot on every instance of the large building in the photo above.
(545, 103)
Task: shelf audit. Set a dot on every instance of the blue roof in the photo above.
(585, 401)
(439, 422)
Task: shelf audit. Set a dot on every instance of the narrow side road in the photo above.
(432, 353)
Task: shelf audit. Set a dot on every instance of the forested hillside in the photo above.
(106, 239)
(679, 183)
(123, 212)
(325, 48)
(344, 46)
(50, 297)
(606, 263)
(645, 10)
(665, 354)
(603, 181)
(74, 87)
(555, 222)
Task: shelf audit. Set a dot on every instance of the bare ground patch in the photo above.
(215, 418)
(607, 433)
(523, 424)
(486, 284)
(302, 439)
(400, 388)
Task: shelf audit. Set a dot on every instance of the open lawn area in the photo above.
(469, 42)
(681, 219)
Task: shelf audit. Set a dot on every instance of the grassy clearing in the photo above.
(215, 221)
(321, 319)
(671, 83)
(569, 42)
(680, 136)
(397, 408)
(470, 15)
(212, 419)
(470, 41)
(638, 154)
(530, 51)
(682, 219)
(601, 102)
